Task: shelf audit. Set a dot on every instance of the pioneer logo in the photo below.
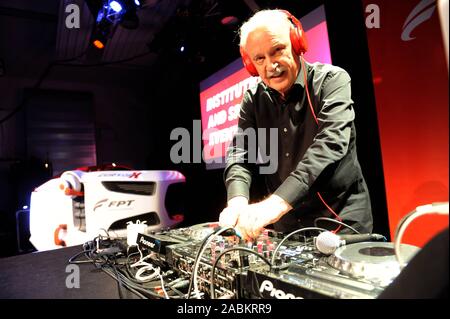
(145, 242)
(274, 292)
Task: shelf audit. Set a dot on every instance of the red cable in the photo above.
(317, 122)
(307, 91)
(332, 211)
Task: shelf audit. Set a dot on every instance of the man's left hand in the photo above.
(255, 217)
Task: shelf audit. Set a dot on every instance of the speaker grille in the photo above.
(137, 188)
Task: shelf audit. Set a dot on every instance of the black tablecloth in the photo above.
(44, 274)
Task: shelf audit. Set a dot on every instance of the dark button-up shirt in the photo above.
(312, 157)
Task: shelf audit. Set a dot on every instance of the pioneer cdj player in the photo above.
(299, 270)
(360, 270)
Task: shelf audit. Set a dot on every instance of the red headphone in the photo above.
(296, 35)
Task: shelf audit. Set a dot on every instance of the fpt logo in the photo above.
(113, 204)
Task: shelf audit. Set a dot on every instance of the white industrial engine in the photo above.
(78, 206)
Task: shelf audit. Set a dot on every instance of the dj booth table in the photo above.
(44, 274)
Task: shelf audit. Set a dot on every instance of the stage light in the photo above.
(99, 16)
(116, 6)
(229, 20)
(98, 44)
(182, 49)
(119, 12)
(110, 15)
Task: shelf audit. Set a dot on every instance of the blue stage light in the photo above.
(115, 6)
(99, 16)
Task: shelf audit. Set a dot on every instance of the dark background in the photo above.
(136, 103)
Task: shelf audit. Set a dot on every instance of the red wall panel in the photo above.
(411, 90)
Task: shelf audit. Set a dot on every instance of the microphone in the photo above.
(327, 242)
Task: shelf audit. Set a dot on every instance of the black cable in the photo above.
(124, 281)
(72, 260)
(129, 273)
(191, 280)
(146, 284)
(137, 293)
(293, 233)
(179, 293)
(119, 281)
(139, 287)
(90, 254)
(337, 222)
(213, 270)
(99, 261)
(110, 265)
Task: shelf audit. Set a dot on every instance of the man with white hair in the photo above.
(318, 171)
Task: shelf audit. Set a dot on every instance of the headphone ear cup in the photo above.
(298, 40)
(248, 63)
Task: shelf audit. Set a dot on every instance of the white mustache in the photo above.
(276, 71)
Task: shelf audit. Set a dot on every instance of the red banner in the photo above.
(411, 90)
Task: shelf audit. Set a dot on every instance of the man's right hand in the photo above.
(229, 216)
